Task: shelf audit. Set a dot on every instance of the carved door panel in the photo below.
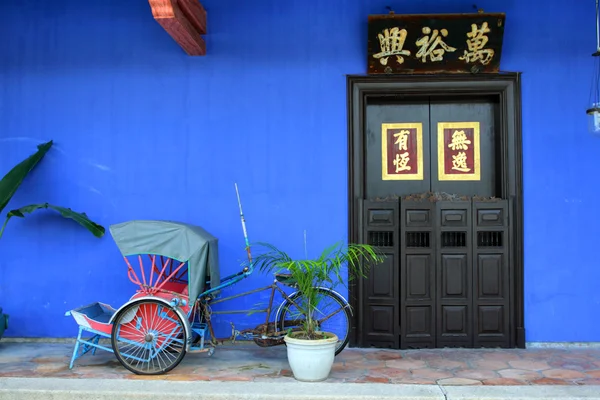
(454, 274)
(491, 274)
(418, 274)
(380, 290)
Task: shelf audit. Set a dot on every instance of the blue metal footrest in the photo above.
(85, 345)
(93, 318)
(197, 346)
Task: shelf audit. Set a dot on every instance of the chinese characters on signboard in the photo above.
(435, 43)
(458, 151)
(402, 151)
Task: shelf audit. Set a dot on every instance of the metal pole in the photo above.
(597, 28)
(250, 268)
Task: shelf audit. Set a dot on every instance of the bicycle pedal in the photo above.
(207, 350)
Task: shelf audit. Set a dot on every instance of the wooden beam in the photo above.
(184, 21)
(195, 14)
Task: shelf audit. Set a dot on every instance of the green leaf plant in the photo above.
(323, 271)
(8, 187)
(13, 179)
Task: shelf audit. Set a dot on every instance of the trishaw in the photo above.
(178, 286)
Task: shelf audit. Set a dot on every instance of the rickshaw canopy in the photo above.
(175, 240)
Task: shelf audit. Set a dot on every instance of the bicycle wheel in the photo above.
(148, 337)
(333, 314)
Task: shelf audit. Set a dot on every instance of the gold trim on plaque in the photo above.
(384, 160)
(476, 175)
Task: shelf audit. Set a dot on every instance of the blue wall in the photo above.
(144, 131)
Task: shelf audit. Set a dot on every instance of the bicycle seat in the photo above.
(286, 279)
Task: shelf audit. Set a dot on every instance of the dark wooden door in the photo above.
(387, 112)
(455, 115)
(445, 280)
(433, 116)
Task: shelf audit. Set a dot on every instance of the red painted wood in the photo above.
(195, 14)
(184, 21)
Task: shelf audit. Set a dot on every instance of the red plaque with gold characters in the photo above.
(402, 151)
(458, 151)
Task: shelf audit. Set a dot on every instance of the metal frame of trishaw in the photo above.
(151, 333)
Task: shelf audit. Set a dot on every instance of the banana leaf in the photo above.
(3, 322)
(13, 179)
(81, 218)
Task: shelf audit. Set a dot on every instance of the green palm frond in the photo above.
(323, 271)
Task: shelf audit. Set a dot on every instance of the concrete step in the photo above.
(111, 389)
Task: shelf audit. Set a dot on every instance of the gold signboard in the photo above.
(402, 151)
(432, 43)
(458, 151)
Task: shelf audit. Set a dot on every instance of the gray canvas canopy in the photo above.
(176, 240)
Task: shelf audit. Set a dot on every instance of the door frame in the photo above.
(507, 87)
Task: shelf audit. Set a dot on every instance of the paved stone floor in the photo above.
(249, 362)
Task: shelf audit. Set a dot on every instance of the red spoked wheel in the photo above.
(149, 337)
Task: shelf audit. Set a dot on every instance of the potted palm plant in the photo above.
(310, 350)
(9, 185)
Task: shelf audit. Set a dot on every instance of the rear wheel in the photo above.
(333, 314)
(149, 337)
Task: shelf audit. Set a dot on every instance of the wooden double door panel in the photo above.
(430, 115)
(445, 280)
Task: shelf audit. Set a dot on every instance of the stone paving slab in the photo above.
(522, 392)
(103, 389)
(98, 389)
(250, 363)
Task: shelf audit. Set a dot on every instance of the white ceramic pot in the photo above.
(311, 360)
